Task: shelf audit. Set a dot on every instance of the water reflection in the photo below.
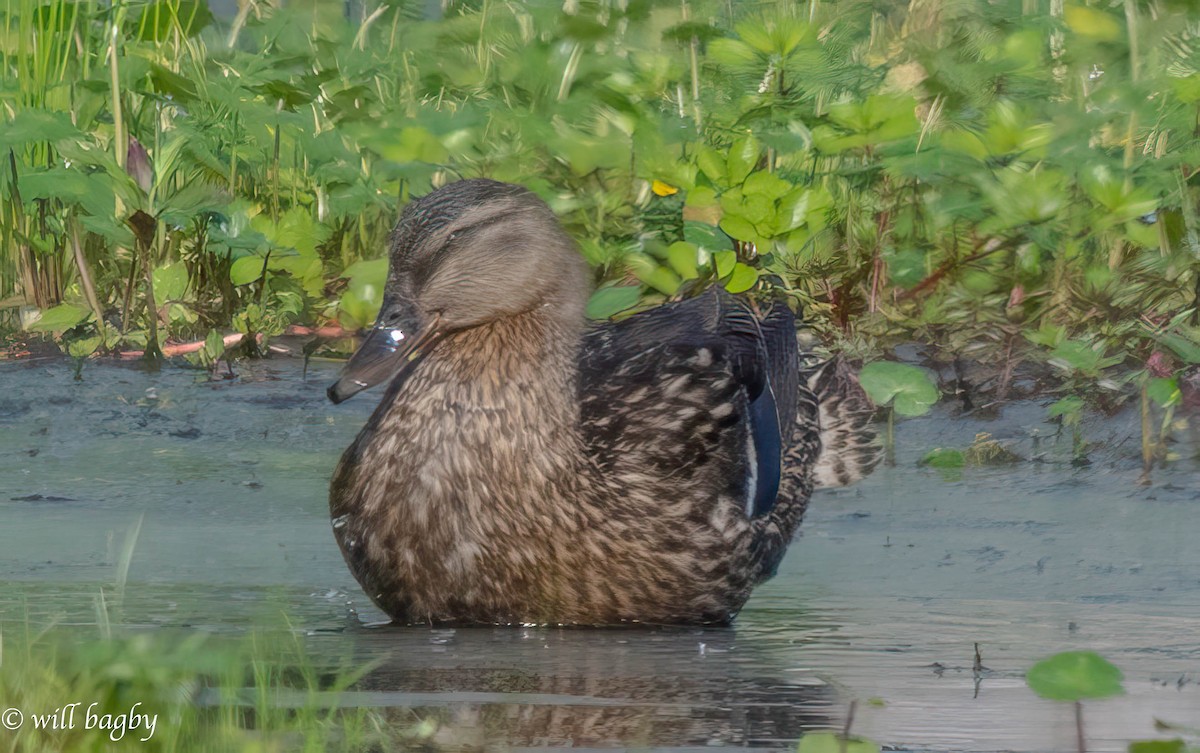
(590, 688)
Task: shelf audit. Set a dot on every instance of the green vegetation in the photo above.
(984, 451)
(1010, 180)
(905, 389)
(198, 693)
(190, 692)
(1075, 676)
(897, 388)
(1160, 746)
(829, 742)
(1072, 676)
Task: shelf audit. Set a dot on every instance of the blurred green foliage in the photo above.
(264, 692)
(1075, 676)
(1000, 178)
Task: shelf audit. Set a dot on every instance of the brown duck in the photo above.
(525, 467)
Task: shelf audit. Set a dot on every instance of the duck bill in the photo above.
(384, 353)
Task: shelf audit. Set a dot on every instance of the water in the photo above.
(881, 601)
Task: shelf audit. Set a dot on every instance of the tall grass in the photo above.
(260, 693)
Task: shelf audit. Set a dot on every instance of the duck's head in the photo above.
(468, 254)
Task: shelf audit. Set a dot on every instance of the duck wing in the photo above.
(702, 392)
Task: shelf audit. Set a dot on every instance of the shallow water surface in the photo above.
(881, 601)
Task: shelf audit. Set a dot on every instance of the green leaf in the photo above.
(829, 742)
(743, 278)
(83, 347)
(1186, 349)
(705, 236)
(1092, 22)
(685, 259)
(354, 312)
(1158, 746)
(908, 388)
(612, 300)
(739, 228)
(1084, 357)
(743, 157)
(295, 230)
(116, 233)
(374, 270)
(1075, 676)
(214, 345)
(165, 81)
(91, 191)
(189, 202)
(1021, 197)
(724, 261)
(941, 457)
(1164, 392)
(653, 274)
(878, 119)
(701, 197)
(1122, 202)
(178, 312)
(246, 270)
(732, 52)
(31, 126)
(1048, 335)
(685, 31)
(712, 164)
(170, 282)
(795, 206)
(907, 268)
(1067, 406)
(60, 318)
(413, 144)
(758, 209)
(766, 184)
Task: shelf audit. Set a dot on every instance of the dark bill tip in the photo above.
(382, 353)
(344, 389)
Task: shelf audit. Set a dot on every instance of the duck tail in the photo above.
(849, 447)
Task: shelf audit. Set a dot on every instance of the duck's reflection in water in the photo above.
(491, 689)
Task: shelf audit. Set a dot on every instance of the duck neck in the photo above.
(495, 405)
(505, 363)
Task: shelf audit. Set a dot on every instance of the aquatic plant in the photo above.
(1075, 676)
(972, 176)
(1069, 412)
(1160, 746)
(1177, 745)
(983, 451)
(899, 388)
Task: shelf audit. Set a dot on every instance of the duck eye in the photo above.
(452, 236)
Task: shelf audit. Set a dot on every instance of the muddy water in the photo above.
(882, 599)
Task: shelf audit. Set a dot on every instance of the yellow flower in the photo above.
(663, 189)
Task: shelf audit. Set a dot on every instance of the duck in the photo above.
(525, 467)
